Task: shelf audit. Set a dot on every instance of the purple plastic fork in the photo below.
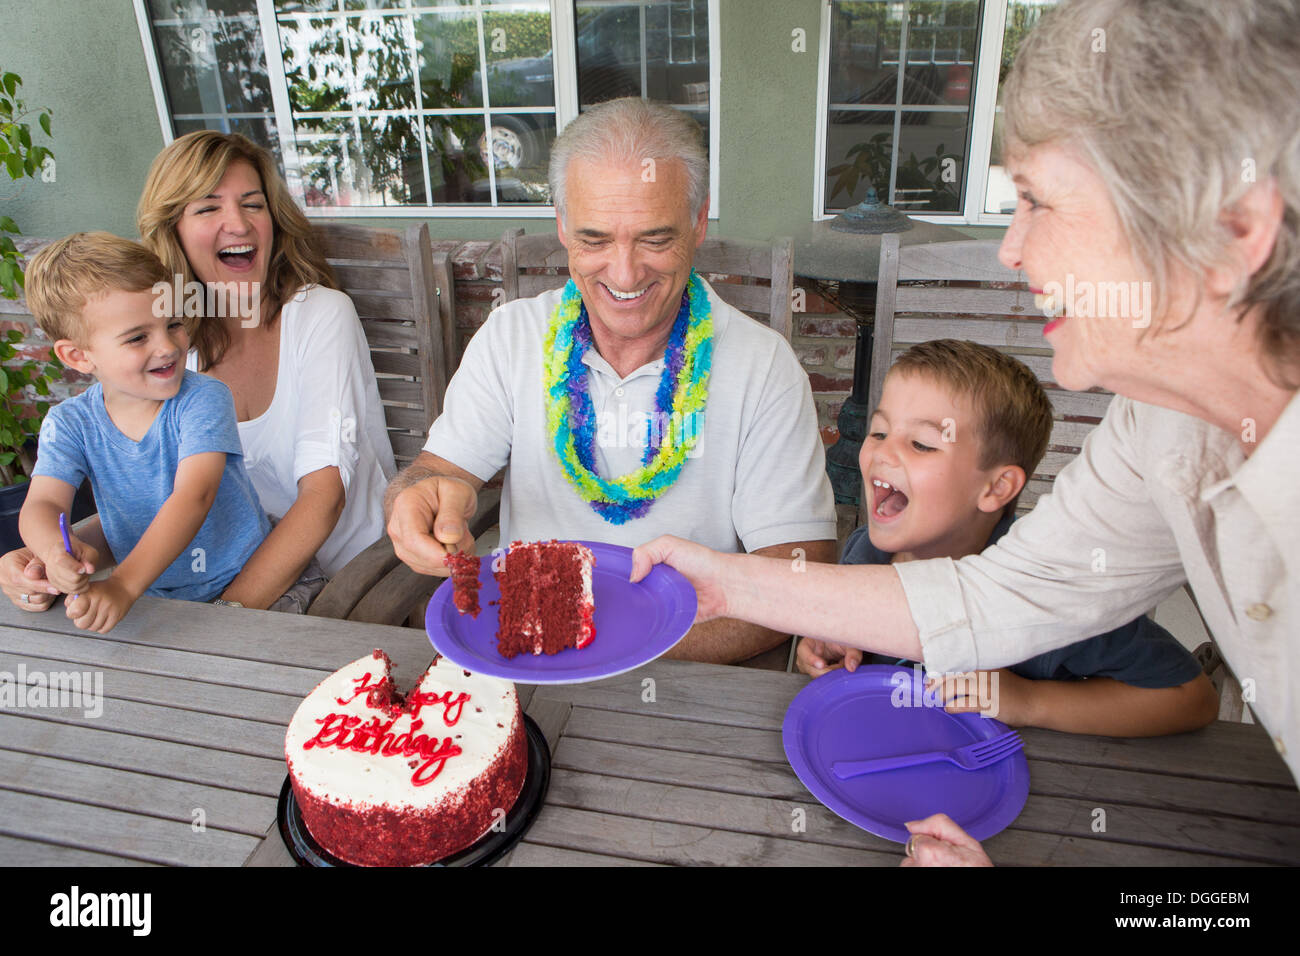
(982, 753)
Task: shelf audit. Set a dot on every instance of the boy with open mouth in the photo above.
(959, 429)
(159, 443)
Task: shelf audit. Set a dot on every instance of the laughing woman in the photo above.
(1171, 157)
(291, 349)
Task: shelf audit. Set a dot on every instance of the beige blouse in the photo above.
(1155, 499)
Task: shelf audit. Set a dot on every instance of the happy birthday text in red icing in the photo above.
(375, 736)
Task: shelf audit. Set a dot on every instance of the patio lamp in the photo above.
(871, 217)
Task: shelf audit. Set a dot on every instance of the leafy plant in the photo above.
(20, 158)
(18, 425)
(869, 162)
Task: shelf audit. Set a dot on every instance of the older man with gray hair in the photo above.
(676, 413)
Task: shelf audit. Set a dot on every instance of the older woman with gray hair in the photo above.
(1154, 142)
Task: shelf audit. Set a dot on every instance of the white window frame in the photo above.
(982, 109)
(564, 57)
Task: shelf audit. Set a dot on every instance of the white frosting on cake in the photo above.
(481, 726)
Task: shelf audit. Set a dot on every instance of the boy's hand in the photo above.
(1000, 694)
(821, 657)
(70, 573)
(103, 604)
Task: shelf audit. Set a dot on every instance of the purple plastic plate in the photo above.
(635, 623)
(879, 711)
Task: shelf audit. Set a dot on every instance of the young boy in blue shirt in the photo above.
(159, 444)
(959, 428)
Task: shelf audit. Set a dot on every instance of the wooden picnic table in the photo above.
(185, 763)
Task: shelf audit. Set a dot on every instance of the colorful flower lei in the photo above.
(680, 399)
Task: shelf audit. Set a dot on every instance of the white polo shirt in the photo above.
(756, 478)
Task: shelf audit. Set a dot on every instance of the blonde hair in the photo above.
(1180, 106)
(191, 168)
(69, 272)
(1013, 415)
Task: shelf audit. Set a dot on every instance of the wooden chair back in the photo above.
(404, 297)
(759, 276)
(959, 290)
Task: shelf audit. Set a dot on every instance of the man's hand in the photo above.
(939, 841)
(431, 518)
(103, 604)
(702, 566)
(821, 657)
(70, 573)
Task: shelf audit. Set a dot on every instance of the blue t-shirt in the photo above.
(132, 479)
(1140, 653)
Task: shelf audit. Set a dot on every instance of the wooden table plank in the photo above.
(551, 717)
(177, 693)
(677, 804)
(194, 665)
(1245, 840)
(665, 733)
(674, 763)
(1102, 784)
(1222, 751)
(237, 735)
(710, 693)
(222, 809)
(130, 835)
(262, 636)
(94, 745)
(1197, 831)
(803, 819)
(533, 854)
(1016, 847)
(662, 842)
(271, 851)
(736, 775)
(742, 697)
(18, 852)
(1106, 786)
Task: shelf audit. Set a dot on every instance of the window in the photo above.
(908, 100)
(403, 107)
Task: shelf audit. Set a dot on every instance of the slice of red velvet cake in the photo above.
(464, 581)
(546, 603)
(385, 779)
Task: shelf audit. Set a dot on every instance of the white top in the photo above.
(1156, 498)
(756, 478)
(325, 411)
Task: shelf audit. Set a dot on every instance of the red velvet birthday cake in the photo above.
(546, 603)
(385, 779)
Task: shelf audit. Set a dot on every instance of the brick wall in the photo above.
(823, 336)
(35, 347)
